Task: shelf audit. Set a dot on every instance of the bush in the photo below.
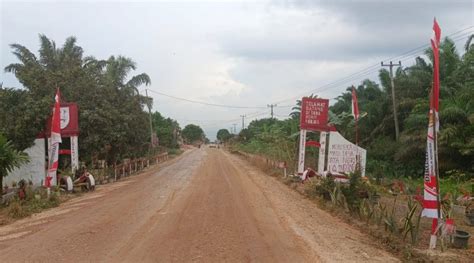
(16, 210)
(355, 191)
(20, 209)
(322, 188)
(174, 151)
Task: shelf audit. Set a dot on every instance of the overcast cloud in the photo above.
(238, 53)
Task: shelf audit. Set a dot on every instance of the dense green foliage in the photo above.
(10, 158)
(112, 120)
(223, 135)
(413, 84)
(193, 134)
(278, 139)
(21, 116)
(166, 129)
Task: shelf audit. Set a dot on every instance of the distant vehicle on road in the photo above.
(213, 145)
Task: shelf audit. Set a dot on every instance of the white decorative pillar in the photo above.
(74, 153)
(301, 154)
(322, 152)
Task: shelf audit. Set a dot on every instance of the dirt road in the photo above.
(205, 206)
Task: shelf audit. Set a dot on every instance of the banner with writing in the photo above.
(343, 155)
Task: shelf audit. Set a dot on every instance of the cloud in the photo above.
(336, 30)
(237, 53)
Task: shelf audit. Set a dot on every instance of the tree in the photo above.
(223, 135)
(10, 158)
(22, 117)
(193, 133)
(166, 129)
(296, 110)
(112, 120)
(273, 138)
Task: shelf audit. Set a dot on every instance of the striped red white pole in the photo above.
(54, 142)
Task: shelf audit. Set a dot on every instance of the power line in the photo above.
(370, 69)
(205, 103)
(366, 71)
(220, 123)
(406, 56)
(335, 84)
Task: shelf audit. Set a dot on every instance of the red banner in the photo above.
(314, 114)
(431, 206)
(313, 144)
(54, 142)
(69, 121)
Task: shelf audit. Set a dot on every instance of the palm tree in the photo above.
(54, 66)
(295, 114)
(117, 70)
(10, 158)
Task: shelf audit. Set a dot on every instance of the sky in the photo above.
(247, 54)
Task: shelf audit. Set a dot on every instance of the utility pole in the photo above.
(243, 121)
(395, 117)
(151, 123)
(271, 107)
(235, 130)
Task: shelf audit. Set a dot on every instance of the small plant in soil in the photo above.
(411, 221)
(390, 220)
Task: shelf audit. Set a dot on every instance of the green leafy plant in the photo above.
(411, 221)
(10, 158)
(390, 220)
(325, 187)
(380, 213)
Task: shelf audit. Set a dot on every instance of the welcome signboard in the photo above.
(314, 114)
(313, 117)
(69, 121)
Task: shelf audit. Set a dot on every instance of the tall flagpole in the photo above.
(435, 135)
(432, 191)
(435, 149)
(55, 140)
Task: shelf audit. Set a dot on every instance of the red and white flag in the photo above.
(431, 192)
(355, 106)
(430, 198)
(55, 140)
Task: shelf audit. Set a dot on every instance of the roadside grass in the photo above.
(393, 216)
(35, 202)
(174, 152)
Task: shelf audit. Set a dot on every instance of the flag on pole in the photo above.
(430, 200)
(355, 106)
(431, 192)
(55, 140)
(435, 46)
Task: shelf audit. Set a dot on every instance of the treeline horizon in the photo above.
(278, 139)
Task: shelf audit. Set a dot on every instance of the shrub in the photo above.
(16, 210)
(322, 188)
